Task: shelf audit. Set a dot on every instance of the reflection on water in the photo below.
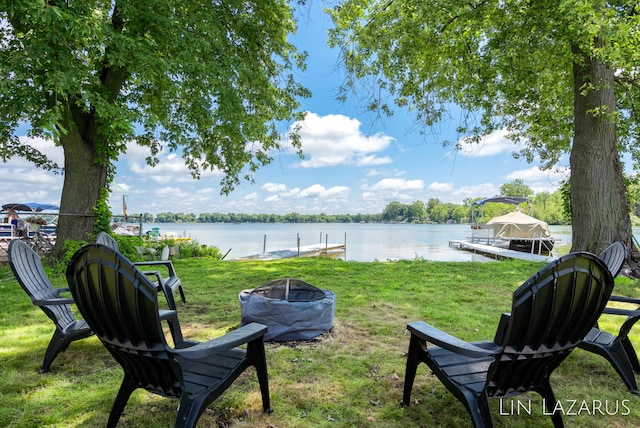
(364, 242)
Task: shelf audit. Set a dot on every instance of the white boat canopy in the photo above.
(518, 225)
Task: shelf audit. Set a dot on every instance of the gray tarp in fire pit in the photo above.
(292, 309)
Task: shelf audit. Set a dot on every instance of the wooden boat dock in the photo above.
(499, 253)
(314, 250)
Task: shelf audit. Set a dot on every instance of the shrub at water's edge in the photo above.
(138, 249)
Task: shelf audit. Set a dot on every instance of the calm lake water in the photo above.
(364, 242)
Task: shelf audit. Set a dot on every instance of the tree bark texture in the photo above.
(85, 174)
(599, 204)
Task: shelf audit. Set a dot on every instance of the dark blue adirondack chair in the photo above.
(551, 313)
(27, 268)
(120, 304)
(617, 349)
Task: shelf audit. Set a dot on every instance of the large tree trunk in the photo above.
(84, 177)
(599, 204)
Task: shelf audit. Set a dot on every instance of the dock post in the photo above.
(298, 239)
(326, 245)
(345, 246)
(264, 244)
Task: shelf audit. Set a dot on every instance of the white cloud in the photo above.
(534, 174)
(48, 147)
(251, 197)
(397, 185)
(24, 182)
(171, 192)
(372, 160)
(449, 193)
(336, 193)
(440, 187)
(274, 187)
(538, 180)
(334, 140)
(170, 168)
(472, 192)
(320, 192)
(368, 196)
(312, 192)
(492, 145)
(390, 189)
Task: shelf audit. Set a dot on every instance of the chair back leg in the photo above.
(189, 411)
(57, 344)
(126, 388)
(478, 407)
(550, 402)
(631, 353)
(255, 351)
(413, 359)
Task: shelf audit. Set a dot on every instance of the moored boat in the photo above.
(124, 229)
(514, 230)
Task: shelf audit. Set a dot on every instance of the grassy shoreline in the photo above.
(349, 377)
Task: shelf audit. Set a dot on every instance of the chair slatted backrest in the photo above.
(119, 304)
(551, 314)
(27, 268)
(106, 239)
(614, 256)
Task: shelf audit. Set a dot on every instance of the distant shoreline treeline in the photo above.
(169, 217)
(548, 209)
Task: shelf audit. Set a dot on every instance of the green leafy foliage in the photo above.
(102, 212)
(70, 247)
(194, 249)
(557, 76)
(516, 188)
(508, 63)
(210, 81)
(138, 249)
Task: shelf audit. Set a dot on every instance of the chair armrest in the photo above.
(63, 290)
(54, 301)
(632, 318)
(625, 299)
(165, 263)
(171, 317)
(633, 315)
(433, 335)
(619, 311)
(155, 273)
(167, 314)
(230, 340)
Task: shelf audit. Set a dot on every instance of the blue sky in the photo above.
(354, 162)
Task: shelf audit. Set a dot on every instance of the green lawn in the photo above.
(349, 377)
